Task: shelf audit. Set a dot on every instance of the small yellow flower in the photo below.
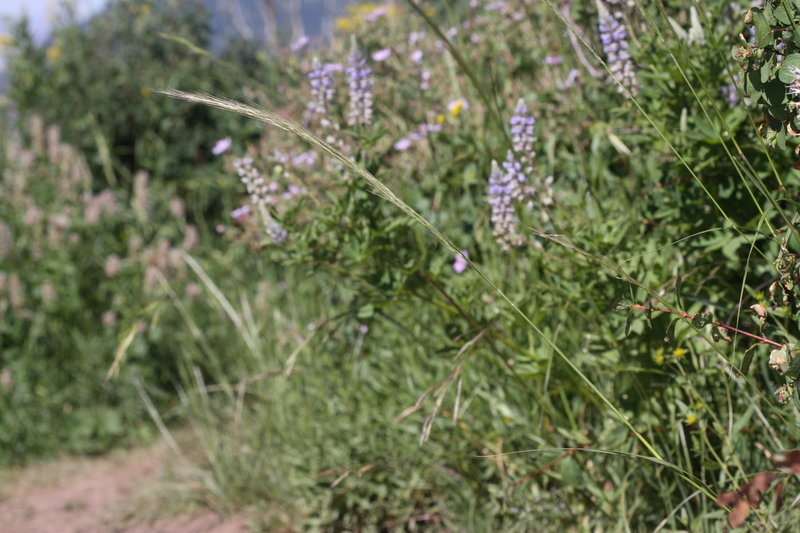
(456, 106)
(53, 53)
(440, 119)
(659, 358)
(506, 420)
(678, 353)
(691, 419)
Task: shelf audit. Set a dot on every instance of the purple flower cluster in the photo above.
(253, 181)
(522, 135)
(408, 141)
(321, 79)
(360, 79)
(507, 186)
(614, 38)
(275, 232)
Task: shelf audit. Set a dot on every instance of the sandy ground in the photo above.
(116, 494)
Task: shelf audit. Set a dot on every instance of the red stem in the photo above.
(719, 324)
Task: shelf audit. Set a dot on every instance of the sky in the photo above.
(41, 13)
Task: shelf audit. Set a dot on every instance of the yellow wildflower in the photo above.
(678, 353)
(456, 106)
(659, 358)
(53, 53)
(440, 119)
(691, 419)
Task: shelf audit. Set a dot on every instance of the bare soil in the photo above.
(120, 493)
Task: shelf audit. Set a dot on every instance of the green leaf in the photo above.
(790, 63)
(763, 29)
(775, 93)
(366, 311)
(748, 358)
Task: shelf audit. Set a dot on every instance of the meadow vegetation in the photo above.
(493, 266)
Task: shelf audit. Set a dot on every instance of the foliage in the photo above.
(438, 307)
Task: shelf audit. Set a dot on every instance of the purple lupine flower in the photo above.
(222, 146)
(729, 92)
(506, 187)
(240, 213)
(572, 78)
(275, 232)
(614, 38)
(425, 84)
(403, 144)
(522, 135)
(460, 264)
(253, 181)
(381, 55)
(553, 60)
(360, 80)
(300, 43)
(321, 79)
(376, 13)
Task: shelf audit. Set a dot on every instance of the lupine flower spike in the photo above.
(614, 38)
(504, 189)
(259, 193)
(522, 135)
(359, 77)
(320, 78)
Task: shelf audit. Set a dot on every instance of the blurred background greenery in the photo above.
(352, 373)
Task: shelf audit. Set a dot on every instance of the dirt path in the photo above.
(108, 495)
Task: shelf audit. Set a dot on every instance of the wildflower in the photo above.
(6, 381)
(691, 419)
(381, 55)
(522, 135)
(276, 232)
(460, 264)
(504, 189)
(321, 79)
(300, 43)
(614, 38)
(219, 228)
(495, 6)
(253, 180)
(403, 144)
(553, 60)
(191, 238)
(109, 318)
(375, 14)
(177, 208)
(240, 213)
(659, 357)
(455, 106)
(678, 353)
(571, 80)
(222, 146)
(425, 84)
(729, 92)
(48, 291)
(112, 265)
(360, 80)
(416, 56)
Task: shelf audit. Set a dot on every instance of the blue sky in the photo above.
(42, 13)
